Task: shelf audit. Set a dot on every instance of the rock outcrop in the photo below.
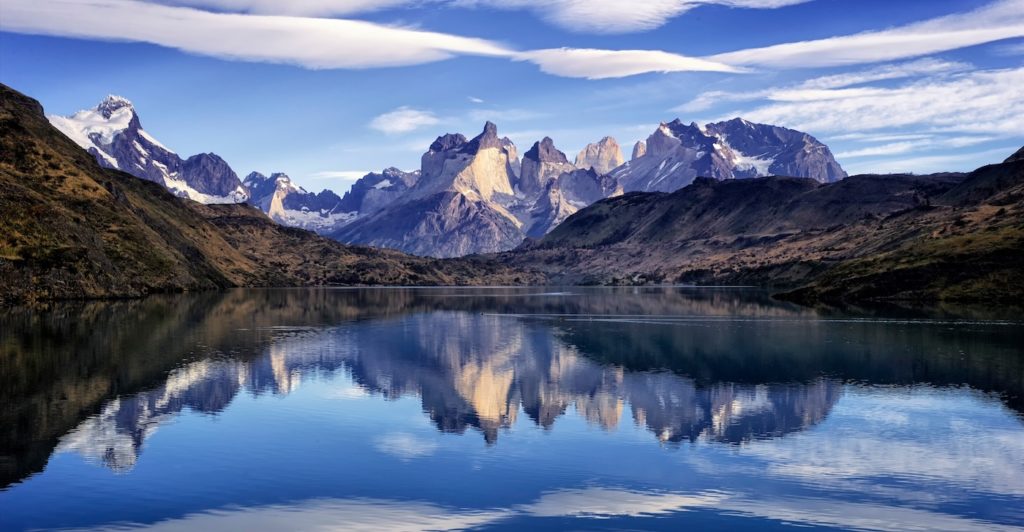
(602, 156)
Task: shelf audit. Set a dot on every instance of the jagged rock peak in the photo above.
(488, 138)
(545, 151)
(1017, 156)
(113, 103)
(602, 156)
(448, 141)
(639, 150)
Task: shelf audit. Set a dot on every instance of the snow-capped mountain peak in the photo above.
(677, 153)
(113, 134)
(112, 104)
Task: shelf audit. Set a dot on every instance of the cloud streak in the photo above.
(590, 16)
(617, 16)
(315, 43)
(403, 120)
(998, 21)
(986, 102)
(265, 31)
(601, 64)
(306, 42)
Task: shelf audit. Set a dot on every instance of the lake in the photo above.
(508, 408)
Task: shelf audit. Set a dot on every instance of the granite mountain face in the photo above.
(603, 156)
(112, 133)
(676, 153)
(476, 196)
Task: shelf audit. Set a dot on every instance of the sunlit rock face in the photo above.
(601, 156)
(639, 150)
(478, 196)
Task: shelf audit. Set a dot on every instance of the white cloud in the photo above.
(920, 67)
(474, 99)
(986, 102)
(884, 149)
(1000, 20)
(306, 42)
(932, 163)
(403, 120)
(616, 16)
(293, 7)
(875, 137)
(908, 146)
(599, 64)
(597, 16)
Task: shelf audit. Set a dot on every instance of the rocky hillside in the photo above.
(72, 229)
(942, 236)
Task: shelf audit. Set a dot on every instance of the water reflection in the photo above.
(718, 367)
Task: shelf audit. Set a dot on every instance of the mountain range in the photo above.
(76, 227)
(470, 195)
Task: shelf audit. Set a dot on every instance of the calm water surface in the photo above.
(405, 409)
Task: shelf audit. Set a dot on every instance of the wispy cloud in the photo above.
(1000, 20)
(600, 64)
(892, 71)
(403, 120)
(306, 42)
(293, 7)
(474, 99)
(270, 31)
(616, 16)
(909, 69)
(986, 102)
(931, 163)
(907, 146)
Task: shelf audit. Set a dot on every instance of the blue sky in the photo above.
(326, 90)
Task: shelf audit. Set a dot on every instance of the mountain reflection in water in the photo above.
(473, 359)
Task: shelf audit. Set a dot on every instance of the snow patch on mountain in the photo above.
(100, 125)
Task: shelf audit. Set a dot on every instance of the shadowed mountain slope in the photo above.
(940, 236)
